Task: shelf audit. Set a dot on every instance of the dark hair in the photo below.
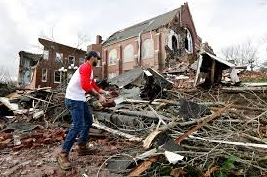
(91, 54)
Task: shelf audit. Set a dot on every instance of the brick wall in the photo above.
(52, 65)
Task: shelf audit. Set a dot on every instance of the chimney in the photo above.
(98, 39)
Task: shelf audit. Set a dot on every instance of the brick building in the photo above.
(146, 44)
(42, 70)
(159, 43)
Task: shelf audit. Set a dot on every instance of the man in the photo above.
(82, 82)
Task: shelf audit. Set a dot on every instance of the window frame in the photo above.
(113, 59)
(45, 75)
(57, 82)
(46, 53)
(61, 57)
(124, 52)
(99, 64)
(73, 59)
(143, 55)
(190, 42)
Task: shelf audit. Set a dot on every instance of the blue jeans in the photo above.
(81, 122)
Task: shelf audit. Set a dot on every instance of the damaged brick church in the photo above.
(159, 43)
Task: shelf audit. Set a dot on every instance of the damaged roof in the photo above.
(52, 44)
(220, 60)
(127, 78)
(145, 26)
(31, 56)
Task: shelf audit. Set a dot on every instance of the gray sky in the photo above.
(219, 22)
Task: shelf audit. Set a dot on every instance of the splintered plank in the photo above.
(210, 118)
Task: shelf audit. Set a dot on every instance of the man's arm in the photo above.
(93, 89)
(99, 90)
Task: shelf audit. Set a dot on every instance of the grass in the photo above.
(260, 80)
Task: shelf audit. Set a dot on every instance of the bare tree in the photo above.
(5, 76)
(243, 54)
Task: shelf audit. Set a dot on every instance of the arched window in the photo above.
(188, 42)
(148, 49)
(172, 40)
(112, 57)
(174, 43)
(128, 53)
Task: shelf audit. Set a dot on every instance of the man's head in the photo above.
(93, 56)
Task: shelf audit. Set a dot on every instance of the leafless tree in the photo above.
(243, 54)
(5, 76)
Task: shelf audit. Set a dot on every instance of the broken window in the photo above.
(174, 43)
(46, 54)
(71, 60)
(44, 75)
(59, 57)
(57, 77)
(128, 53)
(148, 49)
(81, 61)
(188, 42)
(27, 76)
(112, 57)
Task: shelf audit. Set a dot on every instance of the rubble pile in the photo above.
(6, 88)
(150, 129)
(203, 135)
(181, 75)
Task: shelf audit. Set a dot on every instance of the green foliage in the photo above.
(260, 80)
(227, 166)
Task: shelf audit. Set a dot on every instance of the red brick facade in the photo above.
(52, 65)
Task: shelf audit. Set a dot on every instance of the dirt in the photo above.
(42, 161)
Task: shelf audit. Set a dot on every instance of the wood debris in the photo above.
(199, 125)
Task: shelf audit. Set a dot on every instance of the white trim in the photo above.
(128, 61)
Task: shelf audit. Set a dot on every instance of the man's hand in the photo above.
(101, 99)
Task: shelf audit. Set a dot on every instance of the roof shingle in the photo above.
(145, 26)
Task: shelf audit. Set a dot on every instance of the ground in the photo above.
(41, 160)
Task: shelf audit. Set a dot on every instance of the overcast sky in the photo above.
(219, 22)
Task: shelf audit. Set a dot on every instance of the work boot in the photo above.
(63, 161)
(82, 149)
